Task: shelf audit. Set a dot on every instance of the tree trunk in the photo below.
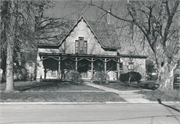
(9, 66)
(10, 49)
(166, 76)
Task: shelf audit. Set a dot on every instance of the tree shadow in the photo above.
(160, 102)
(167, 106)
(39, 86)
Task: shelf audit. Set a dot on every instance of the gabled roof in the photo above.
(104, 33)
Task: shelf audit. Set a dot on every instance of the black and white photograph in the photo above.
(90, 62)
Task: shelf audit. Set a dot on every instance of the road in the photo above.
(88, 114)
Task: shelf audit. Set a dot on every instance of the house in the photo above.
(87, 47)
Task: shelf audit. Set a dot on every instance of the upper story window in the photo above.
(81, 46)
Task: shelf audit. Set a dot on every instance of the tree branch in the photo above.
(169, 22)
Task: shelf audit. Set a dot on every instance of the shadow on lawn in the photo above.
(159, 100)
(134, 86)
(42, 85)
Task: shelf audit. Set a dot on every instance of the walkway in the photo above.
(129, 96)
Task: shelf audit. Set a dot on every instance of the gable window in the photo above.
(81, 46)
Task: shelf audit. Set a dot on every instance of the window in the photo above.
(81, 46)
(131, 66)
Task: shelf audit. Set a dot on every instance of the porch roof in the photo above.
(132, 56)
(77, 55)
(92, 55)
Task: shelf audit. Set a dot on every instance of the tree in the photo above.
(157, 21)
(8, 21)
(17, 22)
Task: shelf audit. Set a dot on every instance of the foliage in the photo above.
(74, 77)
(101, 77)
(20, 73)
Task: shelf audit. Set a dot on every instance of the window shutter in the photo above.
(85, 47)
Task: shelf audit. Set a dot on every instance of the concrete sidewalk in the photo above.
(129, 96)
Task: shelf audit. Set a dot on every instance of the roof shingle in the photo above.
(54, 34)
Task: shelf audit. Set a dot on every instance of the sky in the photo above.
(61, 9)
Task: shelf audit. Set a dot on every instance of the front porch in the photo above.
(56, 65)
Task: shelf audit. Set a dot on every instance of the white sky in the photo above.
(61, 10)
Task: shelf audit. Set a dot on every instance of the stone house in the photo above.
(87, 47)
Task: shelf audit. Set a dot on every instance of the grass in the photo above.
(55, 86)
(122, 87)
(66, 92)
(152, 95)
(57, 92)
(60, 97)
(172, 95)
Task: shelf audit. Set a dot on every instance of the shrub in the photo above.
(74, 77)
(101, 77)
(20, 73)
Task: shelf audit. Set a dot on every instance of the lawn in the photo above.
(152, 95)
(173, 95)
(122, 87)
(55, 86)
(48, 96)
(58, 92)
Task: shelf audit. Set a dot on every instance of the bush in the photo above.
(101, 77)
(20, 73)
(74, 77)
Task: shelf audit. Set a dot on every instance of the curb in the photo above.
(81, 103)
(56, 103)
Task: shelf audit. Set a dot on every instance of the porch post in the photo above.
(76, 63)
(92, 69)
(118, 71)
(105, 64)
(45, 73)
(59, 68)
(41, 68)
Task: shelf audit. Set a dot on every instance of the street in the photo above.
(88, 114)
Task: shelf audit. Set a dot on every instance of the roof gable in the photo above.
(104, 33)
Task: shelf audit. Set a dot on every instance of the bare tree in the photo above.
(17, 19)
(157, 21)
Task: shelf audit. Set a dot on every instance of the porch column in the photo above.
(76, 63)
(41, 68)
(105, 65)
(92, 69)
(118, 71)
(45, 73)
(59, 68)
